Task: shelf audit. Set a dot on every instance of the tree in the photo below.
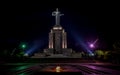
(116, 45)
(116, 53)
(99, 53)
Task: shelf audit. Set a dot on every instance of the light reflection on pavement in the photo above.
(31, 68)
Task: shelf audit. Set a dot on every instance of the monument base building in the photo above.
(57, 41)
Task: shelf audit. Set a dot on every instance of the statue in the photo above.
(57, 16)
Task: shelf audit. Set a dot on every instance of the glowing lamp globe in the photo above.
(91, 45)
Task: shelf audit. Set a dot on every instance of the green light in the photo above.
(21, 67)
(23, 46)
(22, 74)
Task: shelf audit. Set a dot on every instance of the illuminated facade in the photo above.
(57, 39)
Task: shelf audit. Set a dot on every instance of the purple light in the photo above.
(92, 45)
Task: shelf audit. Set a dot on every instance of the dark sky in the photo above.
(29, 22)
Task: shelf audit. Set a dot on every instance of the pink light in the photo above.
(91, 45)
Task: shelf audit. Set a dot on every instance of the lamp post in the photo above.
(22, 47)
(93, 46)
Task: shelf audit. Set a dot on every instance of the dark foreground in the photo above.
(67, 67)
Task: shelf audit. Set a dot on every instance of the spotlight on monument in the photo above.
(81, 42)
(26, 55)
(31, 50)
(91, 54)
(37, 45)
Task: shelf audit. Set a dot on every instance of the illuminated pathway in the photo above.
(84, 68)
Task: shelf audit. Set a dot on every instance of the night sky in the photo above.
(86, 21)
